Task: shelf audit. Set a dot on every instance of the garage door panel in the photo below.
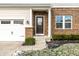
(5, 33)
(12, 32)
(18, 33)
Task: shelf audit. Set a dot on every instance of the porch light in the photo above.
(27, 22)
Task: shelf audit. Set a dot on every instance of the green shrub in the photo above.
(29, 41)
(76, 37)
(65, 37)
(57, 37)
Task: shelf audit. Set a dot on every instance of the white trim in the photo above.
(25, 5)
(39, 34)
(71, 21)
(64, 5)
(43, 24)
(40, 5)
(40, 9)
(30, 16)
(49, 22)
(63, 22)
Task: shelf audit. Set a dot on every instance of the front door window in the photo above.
(39, 25)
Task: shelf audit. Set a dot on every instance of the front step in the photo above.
(40, 42)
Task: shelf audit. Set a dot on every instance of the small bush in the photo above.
(57, 37)
(76, 37)
(65, 37)
(29, 41)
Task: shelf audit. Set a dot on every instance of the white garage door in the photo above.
(12, 30)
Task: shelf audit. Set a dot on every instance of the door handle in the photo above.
(11, 32)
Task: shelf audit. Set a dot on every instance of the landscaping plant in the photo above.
(29, 41)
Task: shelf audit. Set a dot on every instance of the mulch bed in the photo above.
(57, 43)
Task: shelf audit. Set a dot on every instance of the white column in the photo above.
(31, 17)
(49, 22)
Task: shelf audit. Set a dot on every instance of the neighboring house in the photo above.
(18, 21)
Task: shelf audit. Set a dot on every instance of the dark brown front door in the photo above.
(39, 24)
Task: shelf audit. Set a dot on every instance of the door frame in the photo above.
(43, 24)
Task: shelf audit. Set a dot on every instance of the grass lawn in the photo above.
(70, 49)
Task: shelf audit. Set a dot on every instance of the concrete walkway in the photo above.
(40, 44)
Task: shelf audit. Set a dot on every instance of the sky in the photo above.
(39, 1)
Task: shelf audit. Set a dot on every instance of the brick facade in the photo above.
(28, 32)
(74, 12)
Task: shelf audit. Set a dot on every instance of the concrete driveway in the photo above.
(8, 48)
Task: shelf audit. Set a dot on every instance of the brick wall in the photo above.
(74, 12)
(29, 32)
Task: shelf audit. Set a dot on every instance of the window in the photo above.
(59, 21)
(18, 21)
(67, 21)
(63, 22)
(5, 22)
(67, 25)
